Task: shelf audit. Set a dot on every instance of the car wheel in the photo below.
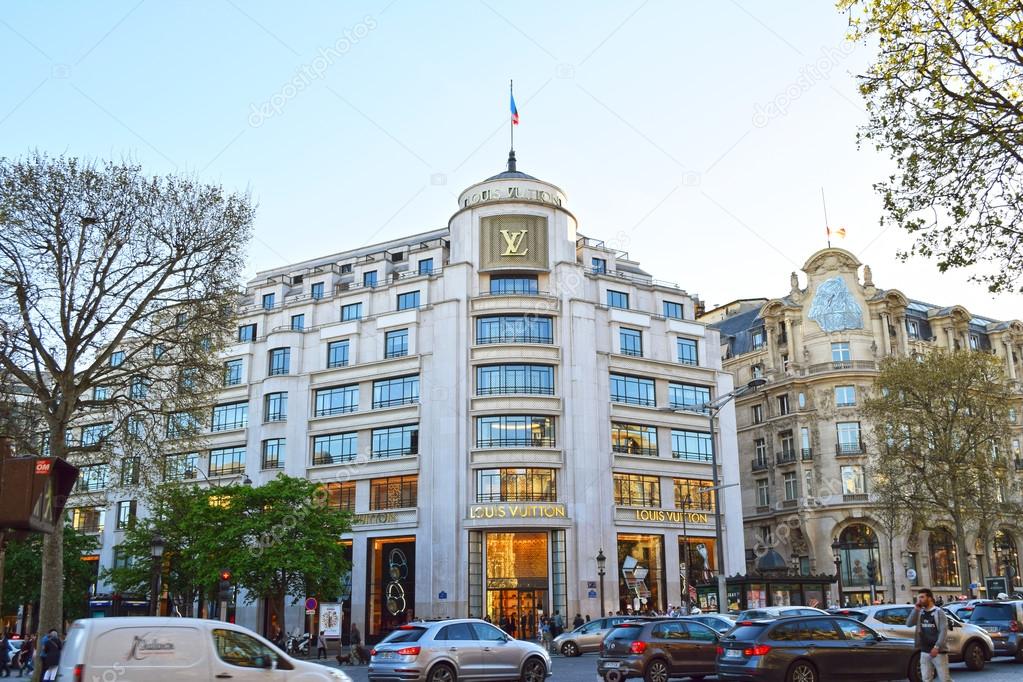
(973, 656)
(534, 670)
(569, 649)
(656, 671)
(442, 672)
(802, 671)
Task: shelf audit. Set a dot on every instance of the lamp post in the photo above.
(683, 564)
(156, 551)
(711, 409)
(836, 549)
(601, 560)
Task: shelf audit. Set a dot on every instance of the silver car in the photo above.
(719, 622)
(967, 643)
(588, 636)
(458, 649)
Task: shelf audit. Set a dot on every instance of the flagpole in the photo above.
(827, 227)
(511, 122)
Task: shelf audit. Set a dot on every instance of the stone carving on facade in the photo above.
(868, 276)
(834, 308)
(794, 283)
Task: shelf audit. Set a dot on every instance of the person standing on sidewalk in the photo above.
(931, 625)
(321, 646)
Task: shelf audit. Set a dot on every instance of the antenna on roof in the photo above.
(827, 227)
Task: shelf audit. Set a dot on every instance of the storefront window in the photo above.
(517, 581)
(392, 579)
(944, 559)
(641, 572)
(756, 596)
(858, 548)
(1006, 556)
(699, 560)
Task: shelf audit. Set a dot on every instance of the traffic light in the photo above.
(872, 572)
(224, 589)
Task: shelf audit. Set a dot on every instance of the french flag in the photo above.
(514, 111)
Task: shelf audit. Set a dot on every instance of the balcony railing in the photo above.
(340, 409)
(1019, 465)
(840, 365)
(320, 458)
(848, 448)
(760, 464)
(515, 390)
(786, 457)
(394, 452)
(515, 338)
(515, 442)
(634, 450)
(484, 498)
(630, 400)
(391, 402)
(806, 454)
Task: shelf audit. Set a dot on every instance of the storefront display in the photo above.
(641, 572)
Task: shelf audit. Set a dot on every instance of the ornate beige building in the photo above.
(803, 454)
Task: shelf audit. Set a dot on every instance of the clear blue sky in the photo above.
(695, 135)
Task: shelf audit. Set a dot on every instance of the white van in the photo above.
(157, 649)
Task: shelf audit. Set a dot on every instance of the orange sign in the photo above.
(43, 467)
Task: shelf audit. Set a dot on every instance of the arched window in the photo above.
(944, 558)
(1006, 556)
(858, 547)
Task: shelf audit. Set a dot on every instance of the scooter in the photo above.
(299, 645)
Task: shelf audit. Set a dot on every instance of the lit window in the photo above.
(636, 490)
(393, 492)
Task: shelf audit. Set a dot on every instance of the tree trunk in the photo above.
(962, 556)
(51, 590)
(891, 567)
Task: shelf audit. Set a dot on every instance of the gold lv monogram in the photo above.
(512, 242)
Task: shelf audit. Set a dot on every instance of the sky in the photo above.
(696, 136)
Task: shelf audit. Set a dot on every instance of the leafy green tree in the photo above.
(940, 424)
(944, 97)
(23, 571)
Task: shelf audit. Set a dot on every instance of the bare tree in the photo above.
(116, 293)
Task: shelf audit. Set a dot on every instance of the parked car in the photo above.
(720, 622)
(770, 612)
(814, 649)
(457, 649)
(657, 650)
(587, 637)
(961, 610)
(1003, 621)
(966, 643)
(154, 649)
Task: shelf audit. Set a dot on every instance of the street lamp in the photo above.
(601, 560)
(836, 548)
(156, 551)
(683, 565)
(711, 409)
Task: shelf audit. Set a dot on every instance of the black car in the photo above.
(658, 650)
(1003, 620)
(814, 649)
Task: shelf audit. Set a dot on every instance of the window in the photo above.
(515, 485)
(230, 416)
(757, 413)
(227, 461)
(944, 558)
(247, 332)
(121, 559)
(238, 649)
(801, 400)
(687, 396)
(94, 433)
(783, 404)
(408, 300)
(138, 388)
(233, 372)
(125, 515)
(853, 481)
(1012, 415)
(395, 441)
(316, 290)
(268, 301)
(369, 279)
(758, 338)
(696, 490)
(341, 495)
(840, 352)
(181, 467)
(159, 351)
(760, 452)
(130, 470)
(913, 327)
(86, 519)
(513, 284)
(280, 361)
(632, 390)
(617, 299)
(276, 407)
(92, 478)
(687, 351)
(180, 424)
(273, 453)
(352, 311)
(393, 492)
(398, 391)
(845, 396)
(848, 438)
(117, 358)
(756, 371)
(337, 354)
(631, 342)
(337, 400)
(673, 310)
(693, 446)
(635, 490)
(346, 268)
(396, 343)
(804, 442)
(426, 266)
(514, 329)
(763, 493)
(791, 486)
(974, 342)
(335, 448)
(788, 449)
(100, 393)
(297, 323)
(633, 439)
(505, 379)
(598, 265)
(515, 431)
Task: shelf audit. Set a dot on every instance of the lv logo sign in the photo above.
(513, 241)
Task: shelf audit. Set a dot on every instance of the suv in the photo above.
(1003, 620)
(462, 648)
(587, 637)
(966, 642)
(657, 650)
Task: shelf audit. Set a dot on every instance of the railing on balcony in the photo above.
(838, 366)
(786, 457)
(513, 442)
(759, 463)
(806, 454)
(1019, 465)
(635, 450)
(849, 448)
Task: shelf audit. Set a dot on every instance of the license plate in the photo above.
(384, 655)
(991, 629)
(733, 653)
(612, 665)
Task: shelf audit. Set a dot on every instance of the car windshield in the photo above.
(858, 615)
(754, 613)
(746, 633)
(990, 613)
(625, 631)
(406, 633)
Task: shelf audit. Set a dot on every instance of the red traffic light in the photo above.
(225, 574)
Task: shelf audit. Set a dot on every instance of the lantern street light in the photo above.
(156, 551)
(601, 561)
(836, 548)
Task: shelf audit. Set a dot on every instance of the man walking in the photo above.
(931, 633)
(321, 646)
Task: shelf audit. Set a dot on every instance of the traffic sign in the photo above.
(310, 612)
(311, 604)
(442, 595)
(911, 573)
(592, 594)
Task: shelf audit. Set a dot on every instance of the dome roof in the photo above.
(771, 561)
(511, 173)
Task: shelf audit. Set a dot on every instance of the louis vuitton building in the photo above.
(493, 401)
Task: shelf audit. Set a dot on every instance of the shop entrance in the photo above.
(517, 580)
(517, 610)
